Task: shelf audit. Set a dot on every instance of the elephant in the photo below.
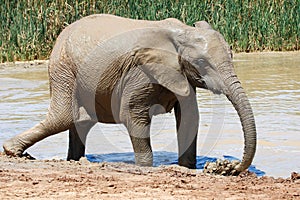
(110, 69)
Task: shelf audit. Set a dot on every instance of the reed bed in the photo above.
(28, 28)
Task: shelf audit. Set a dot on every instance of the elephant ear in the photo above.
(163, 66)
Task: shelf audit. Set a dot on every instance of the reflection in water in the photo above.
(272, 82)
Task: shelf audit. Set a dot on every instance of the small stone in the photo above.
(233, 172)
(206, 165)
(35, 182)
(84, 161)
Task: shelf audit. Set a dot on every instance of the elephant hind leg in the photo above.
(59, 118)
(77, 139)
(18, 144)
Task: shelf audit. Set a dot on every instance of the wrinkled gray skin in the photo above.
(110, 69)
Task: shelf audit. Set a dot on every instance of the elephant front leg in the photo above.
(134, 114)
(142, 151)
(140, 139)
(187, 122)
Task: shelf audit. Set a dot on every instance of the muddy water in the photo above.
(272, 81)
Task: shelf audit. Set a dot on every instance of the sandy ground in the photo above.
(21, 178)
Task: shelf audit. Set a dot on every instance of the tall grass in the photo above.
(28, 28)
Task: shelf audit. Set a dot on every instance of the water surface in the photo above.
(272, 82)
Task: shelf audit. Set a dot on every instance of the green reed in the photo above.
(29, 29)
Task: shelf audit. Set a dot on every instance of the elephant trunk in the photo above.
(236, 94)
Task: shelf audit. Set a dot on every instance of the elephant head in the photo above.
(207, 61)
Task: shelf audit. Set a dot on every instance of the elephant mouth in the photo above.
(215, 86)
(201, 83)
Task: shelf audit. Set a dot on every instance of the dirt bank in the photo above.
(35, 179)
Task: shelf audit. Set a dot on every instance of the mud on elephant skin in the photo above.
(109, 69)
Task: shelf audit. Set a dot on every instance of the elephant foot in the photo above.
(187, 161)
(28, 156)
(75, 157)
(13, 147)
(190, 165)
(144, 159)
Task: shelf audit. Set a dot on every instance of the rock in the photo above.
(295, 176)
(224, 167)
(84, 161)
